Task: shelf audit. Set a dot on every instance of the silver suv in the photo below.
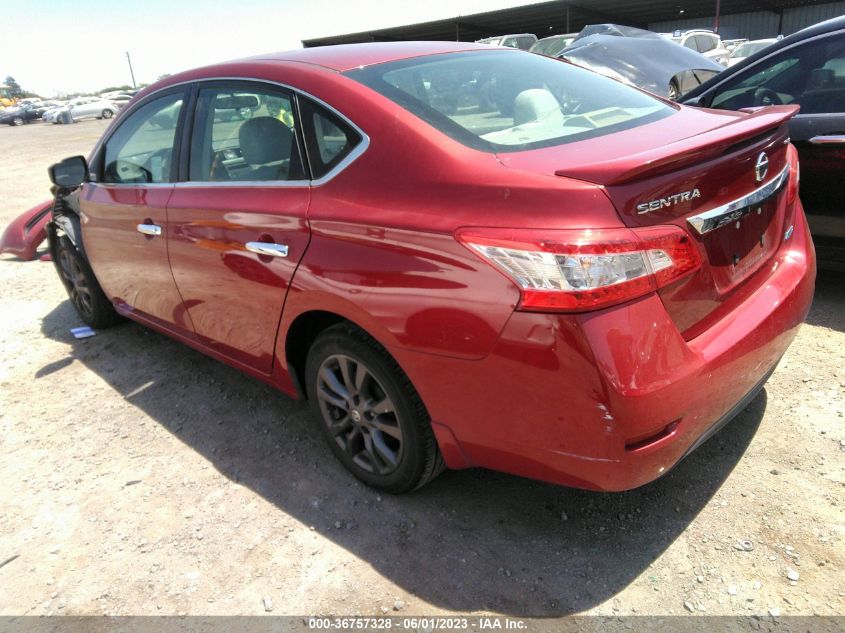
(705, 42)
(522, 41)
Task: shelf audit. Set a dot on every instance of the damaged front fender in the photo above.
(26, 232)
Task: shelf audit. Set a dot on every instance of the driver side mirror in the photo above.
(71, 172)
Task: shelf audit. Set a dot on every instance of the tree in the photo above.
(164, 76)
(14, 87)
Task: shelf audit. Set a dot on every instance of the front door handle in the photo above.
(828, 139)
(268, 248)
(149, 229)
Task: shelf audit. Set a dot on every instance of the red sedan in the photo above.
(460, 255)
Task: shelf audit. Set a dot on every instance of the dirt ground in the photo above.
(140, 477)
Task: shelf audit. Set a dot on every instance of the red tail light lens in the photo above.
(794, 174)
(579, 270)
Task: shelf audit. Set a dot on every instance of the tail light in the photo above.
(579, 270)
(794, 174)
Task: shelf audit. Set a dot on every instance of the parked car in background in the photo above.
(641, 58)
(805, 69)
(522, 41)
(748, 49)
(82, 108)
(120, 99)
(553, 45)
(23, 114)
(582, 291)
(732, 45)
(702, 41)
(51, 113)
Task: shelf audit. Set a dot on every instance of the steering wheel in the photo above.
(766, 97)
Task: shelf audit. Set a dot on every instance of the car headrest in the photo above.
(820, 78)
(265, 140)
(534, 104)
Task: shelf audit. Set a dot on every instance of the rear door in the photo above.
(237, 225)
(124, 209)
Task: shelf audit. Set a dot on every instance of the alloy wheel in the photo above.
(360, 415)
(80, 293)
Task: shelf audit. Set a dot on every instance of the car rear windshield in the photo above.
(502, 101)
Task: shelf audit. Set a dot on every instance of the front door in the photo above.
(237, 227)
(810, 74)
(124, 220)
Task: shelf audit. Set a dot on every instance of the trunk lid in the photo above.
(706, 162)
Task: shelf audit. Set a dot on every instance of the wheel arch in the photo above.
(307, 325)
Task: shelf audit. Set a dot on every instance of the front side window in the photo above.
(141, 150)
(245, 133)
(506, 101)
(805, 75)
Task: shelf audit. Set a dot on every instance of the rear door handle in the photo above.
(828, 139)
(268, 248)
(149, 229)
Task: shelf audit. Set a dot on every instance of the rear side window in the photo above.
(507, 101)
(141, 149)
(329, 138)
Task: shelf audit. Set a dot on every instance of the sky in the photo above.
(62, 46)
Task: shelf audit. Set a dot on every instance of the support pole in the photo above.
(131, 72)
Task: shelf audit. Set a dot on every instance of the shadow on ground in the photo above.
(829, 300)
(472, 540)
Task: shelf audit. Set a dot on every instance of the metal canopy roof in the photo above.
(559, 16)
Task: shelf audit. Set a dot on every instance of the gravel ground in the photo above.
(142, 478)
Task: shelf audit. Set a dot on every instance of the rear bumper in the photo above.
(612, 400)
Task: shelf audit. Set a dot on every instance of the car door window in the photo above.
(705, 43)
(811, 75)
(243, 134)
(141, 149)
(526, 42)
(691, 43)
(329, 138)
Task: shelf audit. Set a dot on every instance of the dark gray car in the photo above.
(641, 58)
(807, 69)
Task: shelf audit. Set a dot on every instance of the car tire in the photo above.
(107, 114)
(674, 90)
(371, 415)
(18, 121)
(85, 293)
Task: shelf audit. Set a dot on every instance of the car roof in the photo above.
(828, 26)
(559, 36)
(345, 57)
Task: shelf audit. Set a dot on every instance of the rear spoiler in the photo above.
(691, 150)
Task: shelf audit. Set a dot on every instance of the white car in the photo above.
(82, 108)
(707, 43)
(748, 49)
(522, 41)
(119, 98)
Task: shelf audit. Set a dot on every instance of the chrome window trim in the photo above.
(732, 211)
(194, 184)
(127, 185)
(356, 152)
